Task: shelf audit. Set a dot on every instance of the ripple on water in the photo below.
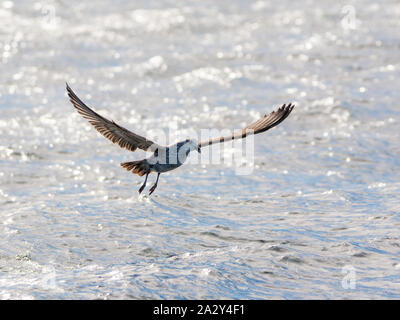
(321, 202)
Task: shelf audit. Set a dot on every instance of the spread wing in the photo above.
(109, 129)
(265, 123)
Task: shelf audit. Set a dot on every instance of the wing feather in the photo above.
(109, 129)
(263, 124)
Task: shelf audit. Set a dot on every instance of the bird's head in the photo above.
(192, 144)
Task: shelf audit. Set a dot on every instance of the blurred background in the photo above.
(318, 219)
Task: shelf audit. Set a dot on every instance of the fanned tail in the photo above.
(140, 167)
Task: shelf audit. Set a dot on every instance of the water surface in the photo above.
(319, 216)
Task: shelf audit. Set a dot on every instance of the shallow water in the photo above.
(319, 216)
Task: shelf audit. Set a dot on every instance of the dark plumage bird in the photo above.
(163, 158)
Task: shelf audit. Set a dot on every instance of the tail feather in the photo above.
(140, 167)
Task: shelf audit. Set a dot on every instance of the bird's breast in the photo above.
(166, 159)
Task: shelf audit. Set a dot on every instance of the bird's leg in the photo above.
(155, 185)
(144, 184)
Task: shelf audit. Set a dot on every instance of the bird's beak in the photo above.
(198, 149)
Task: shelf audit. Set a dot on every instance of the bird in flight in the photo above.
(165, 158)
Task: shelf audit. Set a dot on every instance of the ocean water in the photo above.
(316, 218)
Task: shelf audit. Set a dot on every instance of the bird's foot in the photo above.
(141, 189)
(152, 189)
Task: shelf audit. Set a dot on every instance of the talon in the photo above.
(155, 185)
(141, 189)
(152, 189)
(144, 184)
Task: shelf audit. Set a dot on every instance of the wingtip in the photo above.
(289, 107)
(69, 90)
